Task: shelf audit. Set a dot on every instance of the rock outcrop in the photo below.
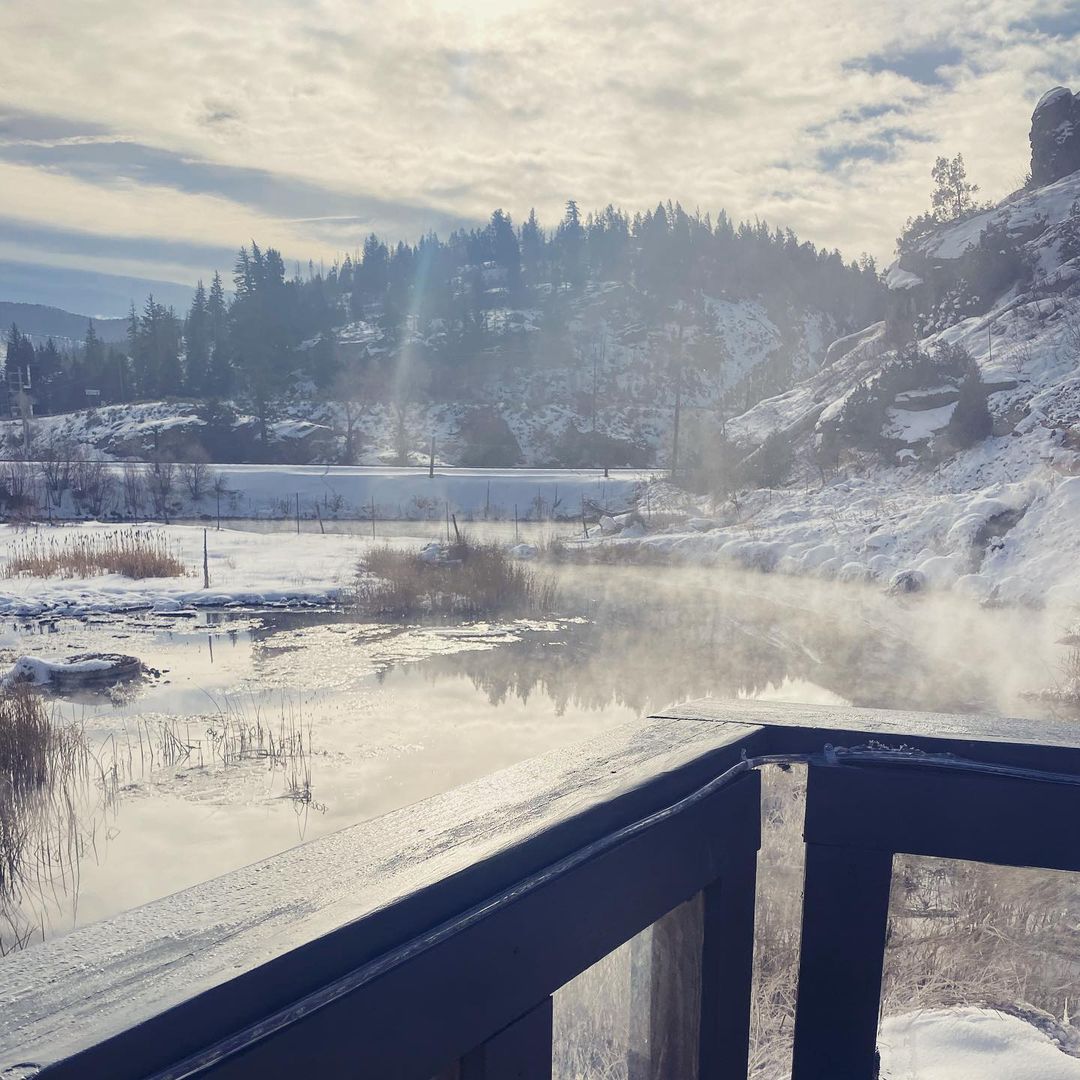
(1055, 136)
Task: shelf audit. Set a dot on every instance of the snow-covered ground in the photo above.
(347, 492)
(967, 1043)
(873, 528)
(411, 494)
(245, 568)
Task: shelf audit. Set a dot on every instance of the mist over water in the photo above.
(391, 713)
(646, 639)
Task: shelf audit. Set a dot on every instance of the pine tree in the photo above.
(971, 420)
(570, 245)
(197, 344)
(217, 317)
(504, 247)
(532, 249)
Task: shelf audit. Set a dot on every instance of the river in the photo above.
(264, 728)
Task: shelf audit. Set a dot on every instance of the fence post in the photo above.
(205, 560)
(696, 1012)
(844, 925)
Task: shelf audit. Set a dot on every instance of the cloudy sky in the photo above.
(148, 141)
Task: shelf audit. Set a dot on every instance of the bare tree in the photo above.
(198, 477)
(161, 481)
(133, 487)
(92, 484)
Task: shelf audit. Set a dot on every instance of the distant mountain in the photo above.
(39, 323)
(107, 295)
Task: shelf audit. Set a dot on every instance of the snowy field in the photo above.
(350, 491)
(245, 569)
(410, 493)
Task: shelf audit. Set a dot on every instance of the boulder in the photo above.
(1055, 136)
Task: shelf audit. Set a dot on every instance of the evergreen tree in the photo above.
(971, 420)
(532, 249)
(197, 344)
(21, 357)
(50, 374)
(263, 332)
(218, 379)
(505, 252)
(570, 245)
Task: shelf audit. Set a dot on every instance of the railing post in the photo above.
(727, 968)
(844, 926)
(697, 1009)
(668, 1009)
(521, 1051)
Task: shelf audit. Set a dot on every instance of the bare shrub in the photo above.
(464, 580)
(92, 484)
(18, 489)
(133, 553)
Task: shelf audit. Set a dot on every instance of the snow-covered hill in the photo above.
(597, 389)
(885, 485)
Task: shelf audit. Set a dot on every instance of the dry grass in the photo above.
(132, 553)
(44, 765)
(470, 581)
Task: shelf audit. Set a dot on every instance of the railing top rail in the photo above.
(206, 961)
(797, 729)
(249, 942)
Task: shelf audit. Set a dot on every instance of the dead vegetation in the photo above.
(44, 764)
(461, 580)
(132, 553)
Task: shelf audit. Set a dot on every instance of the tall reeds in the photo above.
(133, 553)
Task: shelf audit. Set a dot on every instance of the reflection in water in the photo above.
(648, 642)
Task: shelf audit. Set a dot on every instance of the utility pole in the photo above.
(431, 460)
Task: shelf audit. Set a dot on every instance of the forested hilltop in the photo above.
(508, 343)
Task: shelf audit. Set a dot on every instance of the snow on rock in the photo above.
(1041, 554)
(523, 552)
(432, 553)
(896, 278)
(41, 672)
(907, 581)
(968, 1043)
(913, 426)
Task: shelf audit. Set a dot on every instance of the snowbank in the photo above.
(969, 1044)
(875, 530)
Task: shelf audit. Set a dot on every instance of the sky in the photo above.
(146, 143)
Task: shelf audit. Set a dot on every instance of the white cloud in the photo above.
(461, 108)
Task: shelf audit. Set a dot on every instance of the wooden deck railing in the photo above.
(429, 942)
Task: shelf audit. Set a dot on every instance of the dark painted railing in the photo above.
(430, 942)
